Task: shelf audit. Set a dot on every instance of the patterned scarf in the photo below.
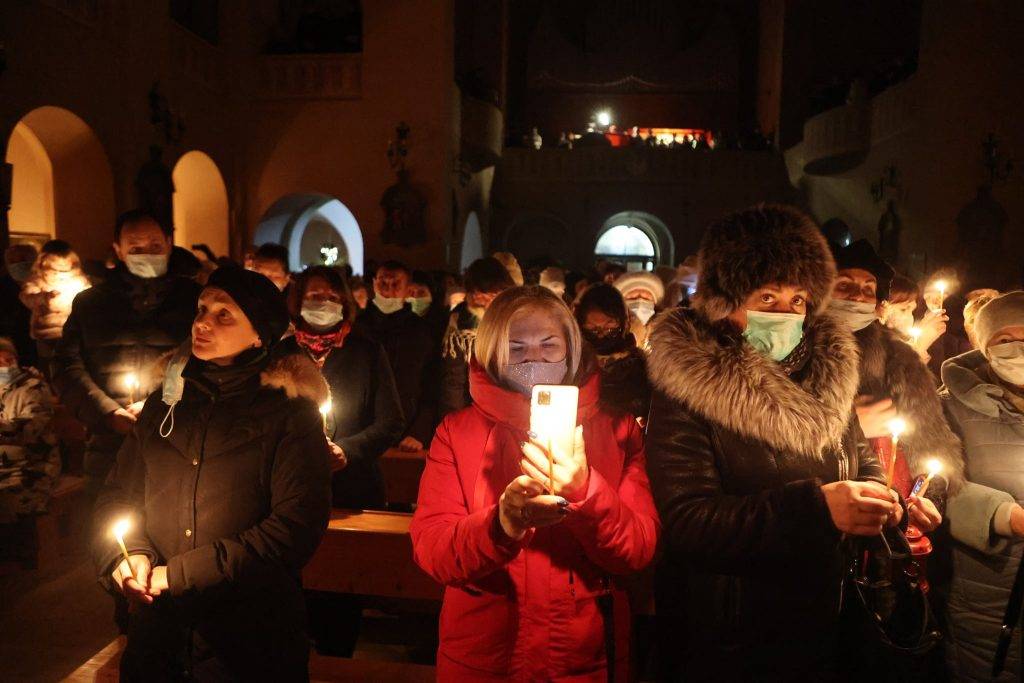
(320, 344)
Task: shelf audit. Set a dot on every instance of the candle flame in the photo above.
(325, 407)
(941, 285)
(915, 333)
(131, 380)
(934, 467)
(897, 427)
(121, 527)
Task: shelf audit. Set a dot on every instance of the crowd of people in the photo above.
(816, 457)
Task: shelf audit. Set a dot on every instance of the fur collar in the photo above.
(716, 374)
(296, 374)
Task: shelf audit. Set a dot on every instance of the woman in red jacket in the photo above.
(532, 580)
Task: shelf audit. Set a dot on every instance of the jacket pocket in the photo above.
(479, 629)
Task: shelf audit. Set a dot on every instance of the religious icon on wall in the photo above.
(403, 206)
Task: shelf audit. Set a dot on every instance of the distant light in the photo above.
(846, 241)
(604, 118)
(329, 254)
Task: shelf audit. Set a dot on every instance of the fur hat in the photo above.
(751, 248)
(641, 280)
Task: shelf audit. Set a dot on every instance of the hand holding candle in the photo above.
(131, 380)
(325, 410)
(934, 468)
(121, 527)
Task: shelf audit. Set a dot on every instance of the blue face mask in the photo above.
(7, 375)
(774, 334)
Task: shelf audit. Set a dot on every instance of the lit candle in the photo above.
(121, 527)
(934, 467)
(896, 427)
(941, 286)
(132, 380)
(915, 335)
(325, 408)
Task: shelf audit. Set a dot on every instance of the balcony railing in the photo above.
(311, 77)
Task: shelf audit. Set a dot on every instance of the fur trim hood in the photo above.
(890, 368)
(751, 248)
(714, 372)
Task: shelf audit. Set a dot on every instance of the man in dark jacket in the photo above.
(14, 317)
(115, 333)
(225, 479)
(406, 339)
(485, 279)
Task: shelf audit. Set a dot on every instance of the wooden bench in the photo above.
(104, 666)
(402, 471)
(369, 553)
(58, 531)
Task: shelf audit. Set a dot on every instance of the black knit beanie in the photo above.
(258, 297)
(862, 256)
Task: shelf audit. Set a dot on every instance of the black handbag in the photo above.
(884, 589)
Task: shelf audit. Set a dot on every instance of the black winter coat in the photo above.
(624, 386)
(234, 501)
(122, 325)
(413, 355)
(365, 418)
(749, 587)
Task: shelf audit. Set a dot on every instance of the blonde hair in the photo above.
(491, 347)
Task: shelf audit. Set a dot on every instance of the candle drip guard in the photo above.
(887, 587)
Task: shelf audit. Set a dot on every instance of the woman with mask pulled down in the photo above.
(532, 568)
(757, 465)
(894, 382)
(604, 323)
(984, 399)
(224, 482)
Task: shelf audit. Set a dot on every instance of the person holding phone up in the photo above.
(532, 552)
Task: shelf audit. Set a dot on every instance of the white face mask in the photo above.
(774, 335)
(523, 376)
(856, 314)
(420, 304)
(146, 266)
(901, 321)
(322, 315)
(642, 309)
(388, 305)
(1007, 361)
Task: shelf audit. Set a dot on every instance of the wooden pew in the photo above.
(369, 553)
(402, 471)
(104, 666)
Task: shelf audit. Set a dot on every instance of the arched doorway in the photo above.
(472, 242)
(200, 203)
(62, 185)
(316, 228)
(536, 237)
(638, 240)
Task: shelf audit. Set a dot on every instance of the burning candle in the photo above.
(325, 409)
(896, 428)
(121, 527)
(941, 286)
(132, 380)
(915, 335)
(934, 467)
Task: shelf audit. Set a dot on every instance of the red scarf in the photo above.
(319, 345)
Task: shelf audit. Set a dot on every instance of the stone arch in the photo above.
(305, 222)
(200, 203)
(649, 225)
(472, 247)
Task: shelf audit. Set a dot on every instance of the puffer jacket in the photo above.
(750, 584)
(234, 502)
(29, 457)
(121, 326)
(530, 610)
(984, 560)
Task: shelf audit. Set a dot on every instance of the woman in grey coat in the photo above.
(984, 400)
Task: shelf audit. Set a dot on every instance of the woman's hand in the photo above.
(932, 326)
(121, 421)
(923, 514)
(523, 505)
(338, 459)
(134, 582)
(860, 507)
(158, 580)
(874, 416)
(571, 473)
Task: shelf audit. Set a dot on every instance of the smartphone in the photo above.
(553, 418)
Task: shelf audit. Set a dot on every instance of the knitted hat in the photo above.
(554, 279)
(757, 246)
(258, 297)
(862, 255)
(641, 280)
(1003, 311)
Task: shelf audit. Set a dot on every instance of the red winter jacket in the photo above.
(528, 610)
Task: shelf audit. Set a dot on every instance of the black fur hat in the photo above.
(751, 248)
